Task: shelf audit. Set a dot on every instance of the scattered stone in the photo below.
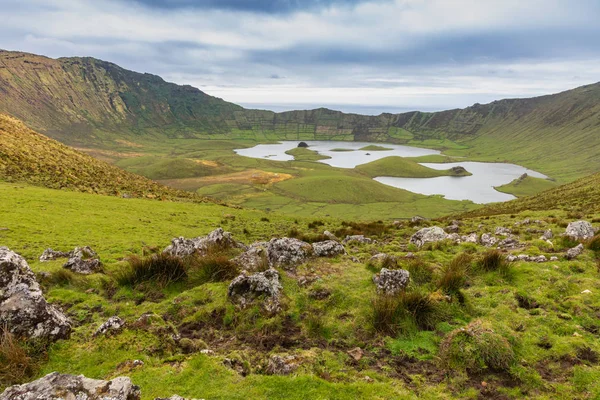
(471, 238)
(57, 386)
(455, 237)
(236, 365)
(112, 326)
(553, 258)
(81, 266)
(526, 258)
(50, 255)
(511, 258)
(509, 243)
(452, 228)
(328, 248)
(182, 247)
(580, 230)
(330, 236)
(488, 240)
(502, 231)
(574, 252)
(416, 219)
(391, 281)
(428, 235)
(287, 252)
(244, 289)
(356, 353)
(547, 235)
(281, 365)
(253, 259)
(357, 239)
(539, 259)
(84, 253)
(23, 308)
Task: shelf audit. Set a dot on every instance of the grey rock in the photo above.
(328, 248)
(547, 235)
(81, 266)
(55, 386)
(455, 237)
(539, 259)
(511, 258)
(244, 289)
(330, 236)
(288, 252)
(358, 239)
(84, 253)
(281, 365)
(471, 238)
(580, 230)
(574, 252)
(452, 228)
(488, 240)
(509, 243)
(502, 231)
(113, 325)
(428, 235)
(23, 308)
(50, 255)
(553, 258)
(391, 281)
(255, 258)
(182, 247)
(416, 219)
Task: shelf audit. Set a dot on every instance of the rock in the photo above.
(472, 238)
(526, 258)
(488, 240)
(288, 252)
(455, 237)
(547, 235)
(391, 281)
(23, 308)
(502, 231)
(244, 289)
(580, 230)
(586, 291)
(182, 247)
(417, 219)
(509, 243)
(538, 259)
(357, 239)
(303, 144)
(57, 386)
(113, 325)
(328, 248)
(84, 253)
(330, 236)
(382, 260)
(356, 353)
(574, 252)
(511, 258)
(81, 266)
(253, 259)
(281, 365)
(236, 365)
(553, 258)
(452, 228)
(50, 255)
(428, 235)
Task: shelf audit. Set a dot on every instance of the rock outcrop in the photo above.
(488, 240)
(57, 386)
(391, 281)
(580, 230)
(81, 266)
(244, 289)
(254, 258)
(428, 235)
(23, 308)
(288, 253)
(182, 247)
(51, 255)
(357, 239)
(575, 252)
(328, 248)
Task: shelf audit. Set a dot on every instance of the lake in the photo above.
(478, 188)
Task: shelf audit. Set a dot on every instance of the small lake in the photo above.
(478, 188)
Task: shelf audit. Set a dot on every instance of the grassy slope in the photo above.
(373, 147)
(403, 168)
(30, 157)
(304, 154)
(528, 186)
(401, 366)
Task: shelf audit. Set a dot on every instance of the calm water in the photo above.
(478, 188)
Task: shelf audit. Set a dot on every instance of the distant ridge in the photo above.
(84, 101)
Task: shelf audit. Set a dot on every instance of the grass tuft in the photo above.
(16, 365)
(454, 275)
(161, 269)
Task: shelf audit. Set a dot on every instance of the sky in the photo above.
(365, 56)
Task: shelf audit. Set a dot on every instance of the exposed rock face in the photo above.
(81, 266)
(244, 289)
(50, 255)
(574, 252)
(113, 325)
(428, 235)
(288, 252)
(182, 247)
(488, 240)
(23, 308)
(281, 365)
(580, 230)
(253, 259)
(502, 231)
(328, 248)
(391, 281)
(357, 239)
(57, 386)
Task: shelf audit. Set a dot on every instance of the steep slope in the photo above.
(582, 195)
(27, 156)
(84, 101)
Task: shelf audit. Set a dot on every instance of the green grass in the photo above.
(374, 147)
(305, 154)
(403, 168)
(341, 150)
(527, 186)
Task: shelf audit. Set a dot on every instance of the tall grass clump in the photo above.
(454, 274)
(16, 365)
(161, 269)
(404, 313)
(594, 245)
(214, 267)
(421, 272)
(494, 260)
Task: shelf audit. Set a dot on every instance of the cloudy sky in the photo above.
(365, 56)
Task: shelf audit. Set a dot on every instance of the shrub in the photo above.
(15, 364)
(161, 269)
(420, 271)
(476, 348)
(213, 267)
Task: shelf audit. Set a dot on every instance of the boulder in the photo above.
(574, 252)
(253, 259)
(281, 365)
(113, 325)
(357, 239)
(391, 281)
(303, 145)
(84, 253)
(23, 308)
(287, 252)
(328, 248)
(182, 247)
(553, 258)
(82, 266)
(57, 386)
(580, 230)
(488, 240)
(509, 243)
(244, 289)
(502, 231)
(547, 235)
(452, 228)
(417, 219)
(50, 255)
(471, 238)
(455, 237)
(428, 235)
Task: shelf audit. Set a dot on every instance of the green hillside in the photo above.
(405, 168)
